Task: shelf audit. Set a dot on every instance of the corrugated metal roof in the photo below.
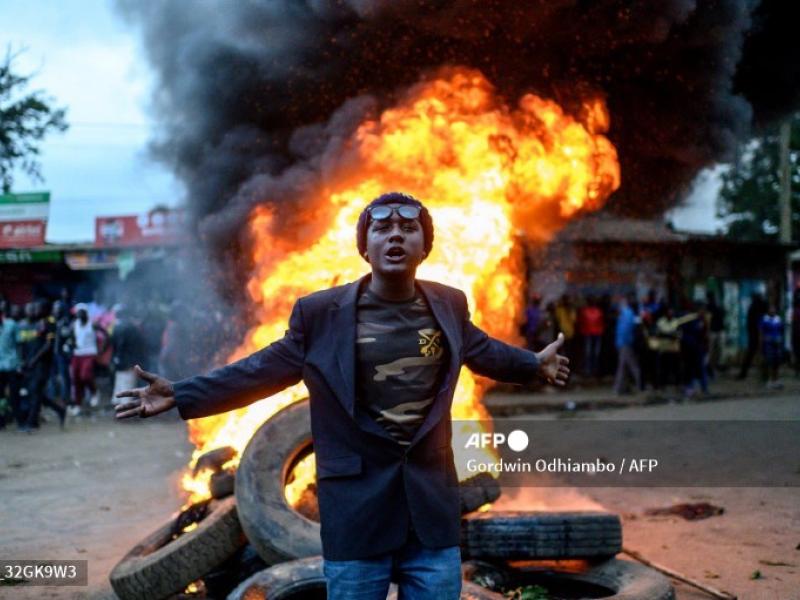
(608, 228)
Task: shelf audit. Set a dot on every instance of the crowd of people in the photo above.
(645, 342)
(53, 352)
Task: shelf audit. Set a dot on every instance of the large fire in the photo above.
(491, 176)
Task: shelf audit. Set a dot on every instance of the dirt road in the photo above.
(94, 490)
(89, 492)
(759, 530)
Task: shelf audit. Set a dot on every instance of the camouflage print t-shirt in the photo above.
(400, 352)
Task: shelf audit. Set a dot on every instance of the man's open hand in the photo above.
(157, 397)
(552, 365)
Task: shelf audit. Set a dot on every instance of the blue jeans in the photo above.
(421, 574)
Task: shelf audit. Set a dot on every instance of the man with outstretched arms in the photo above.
(380, 358)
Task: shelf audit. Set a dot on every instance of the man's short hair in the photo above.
(394, 198)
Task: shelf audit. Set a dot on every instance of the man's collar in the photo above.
(351, 291)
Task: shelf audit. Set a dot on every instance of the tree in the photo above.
(748, 199)
(25, 119)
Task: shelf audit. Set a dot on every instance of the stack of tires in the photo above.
(254, 545)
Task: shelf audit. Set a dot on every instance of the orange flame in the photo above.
(488, 173)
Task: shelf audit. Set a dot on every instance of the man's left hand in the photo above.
(552, 365)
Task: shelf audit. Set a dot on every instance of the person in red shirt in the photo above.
(591, 326)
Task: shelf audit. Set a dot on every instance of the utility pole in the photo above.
(785, 201)
(785, 197)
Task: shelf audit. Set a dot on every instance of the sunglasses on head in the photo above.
(382, 211)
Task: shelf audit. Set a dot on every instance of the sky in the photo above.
(83, 55)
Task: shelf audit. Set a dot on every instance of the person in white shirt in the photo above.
(83, 359)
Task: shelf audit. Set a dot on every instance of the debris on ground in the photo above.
(689, 511)
(775, 563)
(721, 594)
(530, 592)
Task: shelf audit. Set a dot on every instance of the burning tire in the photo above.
(611, 579)
(222, 581)
(477, 491)
(277, 531)
(304, 579)
(163, 564)
(628, 580)
(222, 484)
(283, 581)
(540, 535)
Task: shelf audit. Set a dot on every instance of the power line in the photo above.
(108, 124)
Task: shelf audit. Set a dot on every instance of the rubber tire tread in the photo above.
(282, 580)
(286, 580)
(277, 531)
(540, 535)
(477, 491)
(157, 568)
(627, 579)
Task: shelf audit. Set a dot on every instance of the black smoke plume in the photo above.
(255, 98)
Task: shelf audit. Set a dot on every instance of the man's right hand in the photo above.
(156, 398)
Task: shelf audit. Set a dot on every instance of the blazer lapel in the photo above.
(443, 312)
(344, 344)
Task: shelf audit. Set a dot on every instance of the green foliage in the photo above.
(751, 188)
(25, 119)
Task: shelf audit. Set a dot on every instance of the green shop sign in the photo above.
(25, 198)
(24, 207)
(30, 256)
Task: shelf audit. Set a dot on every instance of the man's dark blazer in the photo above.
(369, 486)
